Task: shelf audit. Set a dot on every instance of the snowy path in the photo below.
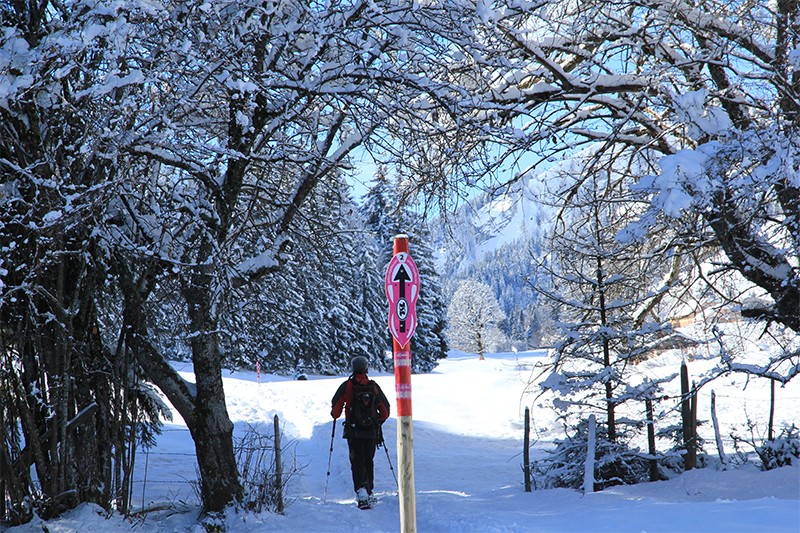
(467, 453)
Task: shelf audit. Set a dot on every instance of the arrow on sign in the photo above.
(401, 277)
(402, 290)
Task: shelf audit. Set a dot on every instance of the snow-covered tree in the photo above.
(344, 283)
(475, 317)
(73, 396)
(387, 216)
(178, 143)
(606, 290)
(507, 270)
(380, 208)
(497, 239)
(320, 294)
(708, 93)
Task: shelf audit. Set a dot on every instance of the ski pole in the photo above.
(385, 449)
(330, 454)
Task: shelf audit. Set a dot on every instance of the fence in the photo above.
(161, 476)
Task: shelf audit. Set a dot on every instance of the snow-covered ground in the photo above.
(468, 431)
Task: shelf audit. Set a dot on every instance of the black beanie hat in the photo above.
(359, 365)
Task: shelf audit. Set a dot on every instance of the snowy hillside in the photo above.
(488, 223)
(468, 418)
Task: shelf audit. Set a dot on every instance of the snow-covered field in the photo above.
(468, 431)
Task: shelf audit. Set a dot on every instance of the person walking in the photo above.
(366, 409)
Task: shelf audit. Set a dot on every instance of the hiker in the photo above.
(366, 409)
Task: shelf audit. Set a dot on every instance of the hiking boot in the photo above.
(362, 498)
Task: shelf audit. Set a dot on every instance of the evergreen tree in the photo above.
(326, 308)
(379, 210)
(386, 218)
(607, 290)
(369, 301)
(361, 307)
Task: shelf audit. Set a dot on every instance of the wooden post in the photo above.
(686, 417)
(278, 465)
(144, 483)
(405, 459)
(651, 439)
(770, 434)
(526, 455)
(588, 471)
(402, 314)
(692, 450)
(717, 436)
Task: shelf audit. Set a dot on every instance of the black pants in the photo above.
(362, 455)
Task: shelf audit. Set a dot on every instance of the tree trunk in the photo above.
(211, 426)
(611, 421)
(204, 411)
(213, 441)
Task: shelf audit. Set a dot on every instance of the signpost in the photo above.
(402, 291)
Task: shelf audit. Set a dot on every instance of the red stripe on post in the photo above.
(402, 379)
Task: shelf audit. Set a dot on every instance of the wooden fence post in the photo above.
(588, 472)
(770, 434)
(2, 467)
(651, 439)
(2, 488)
(2, 473)
(717, 436)
(692, 450)
(526, 456)
(689, 427)
(278, 465)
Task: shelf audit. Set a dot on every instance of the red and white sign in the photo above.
(402, 291)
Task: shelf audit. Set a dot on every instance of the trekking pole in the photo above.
(385, 449)
(330, 454)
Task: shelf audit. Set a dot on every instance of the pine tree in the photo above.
(379, 208)
(607, 290)
(386, 218)
(326, 306)
(369, 301)
(362, 291)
